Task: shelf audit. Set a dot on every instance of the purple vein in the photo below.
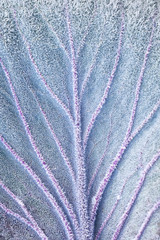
(84, 84)
(126, 141)
(45, 191)
(135, 195)
(28, 215)
(38, 153)
(147, 219)
(86, 33)
(138, 87)
(113, 208)
(105, 94)
(79, 154)
(145, 121)
(58, 143)
(64, 107)
(100, 162)
(23, 220)
(109, 214)
(54, 96)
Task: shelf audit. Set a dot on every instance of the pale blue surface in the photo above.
(56, 69)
